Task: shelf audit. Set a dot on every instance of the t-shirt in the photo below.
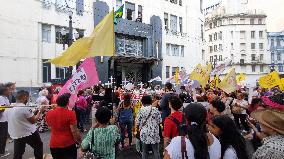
(18, 124)
(82, 103)
(170, 127)
(230, 153)
(242, 103)
(166, 111)
(4, 101)
(59, 120)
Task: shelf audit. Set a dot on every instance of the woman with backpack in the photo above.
(125, 119)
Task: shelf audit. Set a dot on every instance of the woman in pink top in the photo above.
(80, 108)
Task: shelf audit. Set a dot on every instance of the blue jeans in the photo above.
(126, 124)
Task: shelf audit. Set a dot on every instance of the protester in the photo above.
(165, 101)
(64, 132)
(239, 112)
(42, 100)
(233, 145)
(198, 144)
(80, 108)
(125, 119)
(22, 128)
(4, 101)
(103, 137)
(148, 121)
(12, 88)
(217, 107)
(174, 124)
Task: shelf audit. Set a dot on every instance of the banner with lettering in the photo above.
(270, 80)
(229, 83)
(85, 77)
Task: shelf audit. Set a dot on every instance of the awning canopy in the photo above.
(134, 59)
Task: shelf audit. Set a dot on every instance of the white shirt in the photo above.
(18, 124)
(242, 103)
(4, 101)
(174, 149)
(230, 153)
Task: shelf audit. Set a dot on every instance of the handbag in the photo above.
(142, 125)
(90, 154)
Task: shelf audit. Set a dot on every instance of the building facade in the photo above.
(35, 31)
(276, 45)
(240, 36)
(153, 38)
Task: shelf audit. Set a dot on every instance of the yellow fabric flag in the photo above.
(176, 76)
(282, 84)
(270, 80)
(100, 43)
(229, 83)
(214, 83)
(240, 77)
(201, 74)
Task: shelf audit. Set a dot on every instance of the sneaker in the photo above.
(4, 155)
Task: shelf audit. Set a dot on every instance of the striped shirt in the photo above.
(104, 141)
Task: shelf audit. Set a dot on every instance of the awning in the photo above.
(134, 59)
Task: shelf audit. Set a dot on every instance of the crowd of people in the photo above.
(170, 123)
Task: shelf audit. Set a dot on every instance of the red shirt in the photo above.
(59, 120)
(170, 128)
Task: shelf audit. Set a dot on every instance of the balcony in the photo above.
(129, 27)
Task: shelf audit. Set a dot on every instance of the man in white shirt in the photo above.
(22, 128)
(4, 101)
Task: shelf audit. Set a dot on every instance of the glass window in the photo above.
(252, 68)
(215, 48)
(261, 68)
(173, 23)
(168, 49)
(129, 46)
(243, 46)
(252, 34)
(252, 46)
(168, 71)
(261, 57)
(202, 34)
(232, 34)
(46, 33)
(46, 71)
(242, 34)
(180, 24)
(260, 34)
(280, 68)
(261, 46)
(210, 25)
(182, 51)
(253, 57)
(278, 42)
(130, 11)
(242, 21)
(180, 2)
(220, 47)
(272, 42)
(232, 46)
(215, 36)
(259, 21)
(211, 58)
(173, 1)
(80, 33)
(175, 50)
(210, 49)
(278, 57)
(59, 38)
(174, 69)
(220, 35)
(220, 58)
(140, 15)
(118, 4)
(210, 38)
(201, 6)
(166, 20)
(272, 57)
(252, 21)
(80, 7)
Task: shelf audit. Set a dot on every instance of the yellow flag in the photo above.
(270, 80)
(201, 74)
(100, 43)
(282, 84)
(214, 83)
(229, 83)
(240, 77)
(176, 76)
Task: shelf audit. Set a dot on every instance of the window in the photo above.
(252, 68)
(220, 36)
(173, 24)
(252, 34)
(242, 21)
(211, 58)
(260, 34)
(278, 42)
(231, 21)
(215, 48)
(210, 25)
(210, 38)
(220, 58)
(242, 34)
(202, 34)
(253, 57)
(80, 7)
(80, 33)
(280, 68)
(46, 71)
(252, 46)
(272, 57)
(215, 24)
(180, 24)
(210, 49)
(261, 68)
(182, 51)
(175, 50)
(166, 20)
(252, 21)
(203, 54)
(130, 11)
(174, 69)
(139, 18)
(272, 42)
(220, 47)
(118, 4)
(168, 49)
(260, 46)
(61, 72)
(278, 57)
(215, 36)
(243, 46)
(232, 34)
(59, 38)
(259, 21)
(180, 2)
(215, 58)
(201, 6)
(232, 46)
(46, 33)
(126, 45)
(173, 1)
(168, 71)
(261, 57)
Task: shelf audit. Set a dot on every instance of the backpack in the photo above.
(181, 126)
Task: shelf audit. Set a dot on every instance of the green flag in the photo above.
(118, 14)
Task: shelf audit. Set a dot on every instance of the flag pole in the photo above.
(112, 63)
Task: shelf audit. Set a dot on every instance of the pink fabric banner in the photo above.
(85, 77)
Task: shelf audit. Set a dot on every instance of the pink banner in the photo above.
(85, 77)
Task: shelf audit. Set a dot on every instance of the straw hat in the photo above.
(272, 118)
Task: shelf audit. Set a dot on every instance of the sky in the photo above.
(274, 10)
